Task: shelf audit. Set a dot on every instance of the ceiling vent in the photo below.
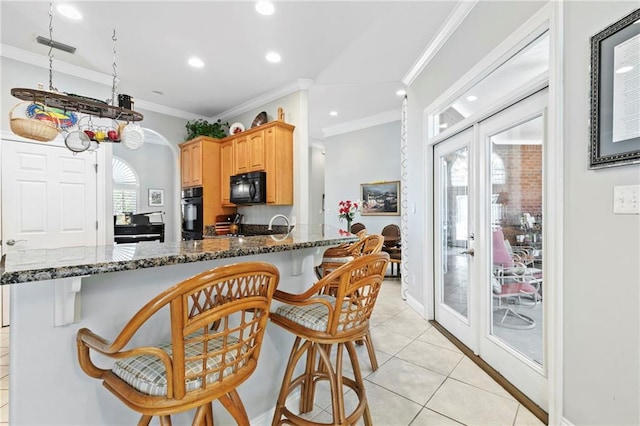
(55, 44)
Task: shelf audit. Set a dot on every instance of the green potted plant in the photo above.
(202, 127)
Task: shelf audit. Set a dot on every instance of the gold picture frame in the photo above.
(380, 198)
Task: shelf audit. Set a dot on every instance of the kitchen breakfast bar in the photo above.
(55, 292)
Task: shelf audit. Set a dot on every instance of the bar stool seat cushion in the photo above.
(148, 375)
(315, 316)
(342, 259)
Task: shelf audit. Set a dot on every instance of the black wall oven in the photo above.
(192, 214)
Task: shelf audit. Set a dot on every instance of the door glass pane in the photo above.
(516, 222)
(455, 216)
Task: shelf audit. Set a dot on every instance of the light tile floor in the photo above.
(422, 378)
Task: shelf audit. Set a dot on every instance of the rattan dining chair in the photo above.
(217, 324)
(321, 320)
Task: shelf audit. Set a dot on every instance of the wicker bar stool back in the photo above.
(217, 324)
(321, 320)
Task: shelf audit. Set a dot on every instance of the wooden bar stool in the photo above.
(334, 258)
(321, 319)
(217, 323)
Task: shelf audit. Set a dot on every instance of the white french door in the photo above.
(453, 236)
(488, 232)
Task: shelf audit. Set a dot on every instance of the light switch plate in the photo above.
(626, 199)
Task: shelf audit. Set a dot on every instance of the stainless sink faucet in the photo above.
(277, 216)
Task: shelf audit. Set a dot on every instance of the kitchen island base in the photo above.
(49, 388)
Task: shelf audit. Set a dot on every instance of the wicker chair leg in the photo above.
(372, 353)
(209, 414)
(307, 387)
(360, 391)
(165, 420)
(335, 380)
(232, 402)
(296, 352)
(144, 420)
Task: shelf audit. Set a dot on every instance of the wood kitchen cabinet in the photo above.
(267, 148)
(278, 140)
(227, 169)
(200, 161)
(249, 152)
(191, 163)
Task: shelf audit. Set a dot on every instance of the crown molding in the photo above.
(363, 123)
(300, 84)
(453, 21)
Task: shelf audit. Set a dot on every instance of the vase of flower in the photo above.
(347, 210)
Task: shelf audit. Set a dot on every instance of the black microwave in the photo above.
(249, 188)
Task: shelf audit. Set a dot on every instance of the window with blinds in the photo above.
(125, 187)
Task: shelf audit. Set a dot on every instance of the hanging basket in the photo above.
(32, 128)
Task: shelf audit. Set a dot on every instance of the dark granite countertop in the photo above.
(46, 264)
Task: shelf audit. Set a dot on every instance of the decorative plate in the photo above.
(236, 128)
(62, 119)
(260, 119)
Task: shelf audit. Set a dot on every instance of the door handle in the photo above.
(470, 251)
(12, 242)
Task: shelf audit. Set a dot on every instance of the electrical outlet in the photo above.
(626, 199)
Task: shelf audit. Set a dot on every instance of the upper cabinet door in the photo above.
(227, 167)
(257, 151)
(191, 164)
(241, 153)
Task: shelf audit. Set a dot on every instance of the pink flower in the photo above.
(347, 209)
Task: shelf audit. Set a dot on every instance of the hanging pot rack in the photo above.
(69, 102)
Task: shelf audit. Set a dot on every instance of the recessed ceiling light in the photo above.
(69, 11)
(333, 113)
(273, 57)
(401, 92)
(196, 62)
(472, 98)
(265, 7)
(623, 70)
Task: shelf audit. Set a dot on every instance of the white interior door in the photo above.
(453, 236)
(48, 198)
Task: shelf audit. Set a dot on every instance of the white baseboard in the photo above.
(565, 422)
(415, 305)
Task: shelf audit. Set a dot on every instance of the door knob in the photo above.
(12, 242)
(470, 251)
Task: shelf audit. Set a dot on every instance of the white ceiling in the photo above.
(355, 53)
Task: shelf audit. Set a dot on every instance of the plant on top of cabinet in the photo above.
(202, 127)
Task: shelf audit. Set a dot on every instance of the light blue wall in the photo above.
(354, 158)
(155, 166)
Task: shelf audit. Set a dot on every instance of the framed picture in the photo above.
(615, 92)
(380, 198)
(156, 197)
